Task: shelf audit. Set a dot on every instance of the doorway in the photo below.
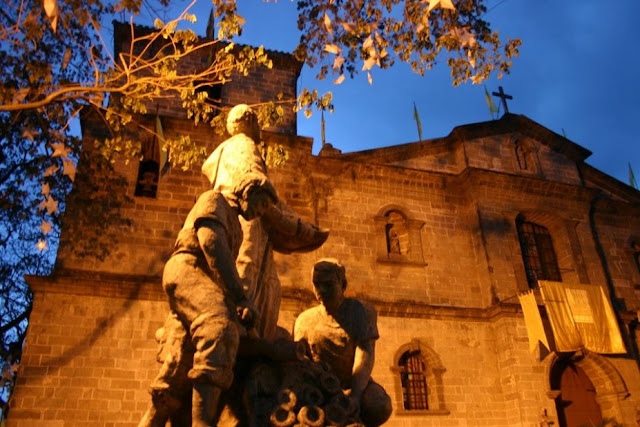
(576, 405)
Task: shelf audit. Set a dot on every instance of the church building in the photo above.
(444, 237)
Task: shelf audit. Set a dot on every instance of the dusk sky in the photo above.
(577, 73)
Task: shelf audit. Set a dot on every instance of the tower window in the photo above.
(149, 170)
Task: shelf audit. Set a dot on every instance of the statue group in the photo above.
(224, 361)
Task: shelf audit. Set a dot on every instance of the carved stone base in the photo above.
(282, 394)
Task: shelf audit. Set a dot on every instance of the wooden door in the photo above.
(576, 405)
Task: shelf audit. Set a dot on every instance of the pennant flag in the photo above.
(416, 117)
(492, 107)
(533, 321)
(581, 316)
(632, 178)
(322, 134)
(164, 151)
(211, 26)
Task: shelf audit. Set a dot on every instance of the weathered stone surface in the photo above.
(341, 333)
(234, 158)
(211, 304)
(283, 394)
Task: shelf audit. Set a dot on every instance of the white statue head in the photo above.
(242, 119)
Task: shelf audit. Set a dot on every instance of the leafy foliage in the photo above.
(55, 66)
(33, 59)
(346, 37)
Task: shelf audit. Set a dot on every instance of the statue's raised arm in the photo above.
(279, 229)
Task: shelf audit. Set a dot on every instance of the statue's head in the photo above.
(242, 119)
(329, 283)
(254, 194)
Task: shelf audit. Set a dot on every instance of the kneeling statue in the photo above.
(342, 332)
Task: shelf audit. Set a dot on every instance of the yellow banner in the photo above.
(533, 321)
(581, 316)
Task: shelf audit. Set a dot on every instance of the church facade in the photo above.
(440, 236)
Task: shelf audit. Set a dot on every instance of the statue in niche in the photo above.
(342, 332)
(274, 227)
(521, 156)
(393, 241)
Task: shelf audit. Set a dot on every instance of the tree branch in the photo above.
(15, 322)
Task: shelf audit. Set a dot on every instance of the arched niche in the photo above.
(398, 236)
(525, 155)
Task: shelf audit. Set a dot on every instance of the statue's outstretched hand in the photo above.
(247, 313)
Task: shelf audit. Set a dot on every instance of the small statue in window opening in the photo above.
(342, 333)
(147, 184)
(521, 155)
(393, 241)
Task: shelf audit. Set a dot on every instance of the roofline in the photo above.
(275, 55)
(609, 183)
(508, 123)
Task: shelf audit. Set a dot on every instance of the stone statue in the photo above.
(279, 229)
(244, 275)
(393, 240)
(521, 155)
(342, 332)
(207, 299)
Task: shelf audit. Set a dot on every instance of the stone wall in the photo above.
(258, 86)
(90, 359)
(90, 351)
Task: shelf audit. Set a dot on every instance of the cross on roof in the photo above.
(503, 97)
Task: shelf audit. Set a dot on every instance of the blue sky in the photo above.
(577, 72)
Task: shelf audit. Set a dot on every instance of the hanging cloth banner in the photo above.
(163, 152)
(533, 321)
(581, 316)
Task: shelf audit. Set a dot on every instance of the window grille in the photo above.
(537, 252)
(414, 383)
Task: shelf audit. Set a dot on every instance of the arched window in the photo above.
(418, 377)
(413, 380)
(539, 258)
